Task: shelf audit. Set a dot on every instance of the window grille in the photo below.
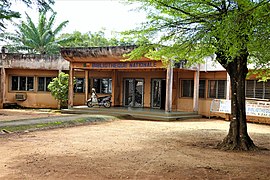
(22, 83)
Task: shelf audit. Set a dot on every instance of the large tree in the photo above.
(7, 14)
(40, 38)
(236, 31)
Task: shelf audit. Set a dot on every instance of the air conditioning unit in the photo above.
(20, 96)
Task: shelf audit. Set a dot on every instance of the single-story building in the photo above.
(140, 83)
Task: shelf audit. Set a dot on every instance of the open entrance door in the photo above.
(133, 92)
(158, 93)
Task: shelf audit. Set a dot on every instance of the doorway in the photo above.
(133, 92)
(158, 89)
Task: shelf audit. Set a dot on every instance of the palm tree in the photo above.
(39, 39)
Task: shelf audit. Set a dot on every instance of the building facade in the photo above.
(143, 83)
(24, 79)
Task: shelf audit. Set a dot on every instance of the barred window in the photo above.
(22, 83)
(202, 89)
(267, 90)
(250, 90)
(217, 89)
(43, 83)
(103, 85)
(79, 85)
(255, 89)
(187, 88)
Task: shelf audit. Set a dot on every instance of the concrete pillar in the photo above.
(169, 86)
(196, 90)
(2, 87)
(59, 103)
(86, 84)
(70, 86)
(114, 88)
(175, 89)
(228, 87)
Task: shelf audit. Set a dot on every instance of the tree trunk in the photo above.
(238, 138)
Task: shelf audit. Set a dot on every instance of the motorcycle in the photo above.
(99, 101)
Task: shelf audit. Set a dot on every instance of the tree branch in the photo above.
(177, 9)
(255, 7)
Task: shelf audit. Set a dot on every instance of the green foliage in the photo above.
(59, 88)
(6, 14)
(77, 39)
(262, 74)
(191, 30)
(40, 38)
(93, 39)
(97, 39)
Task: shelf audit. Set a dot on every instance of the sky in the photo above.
(90, 15)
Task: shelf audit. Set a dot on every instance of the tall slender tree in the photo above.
(40, 38)
(237, 31)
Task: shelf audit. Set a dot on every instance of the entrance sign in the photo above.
(124, 65)
(120, 65)
(253, 108)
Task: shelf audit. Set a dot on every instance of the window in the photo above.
(259, 90)
(79, 85)
(201, 88)
(250, 90)
(22, 83)
(187, 88)
(43, 83)
(255, 89)
(103, 85)
(217, 89)
(267, 90)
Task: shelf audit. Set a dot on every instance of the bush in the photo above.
(59, 88)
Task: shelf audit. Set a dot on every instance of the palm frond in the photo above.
(51, 21)
(31, 25)
(36, 38)
(41, 23)
(60, 27)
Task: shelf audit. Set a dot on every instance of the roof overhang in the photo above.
(96, 54)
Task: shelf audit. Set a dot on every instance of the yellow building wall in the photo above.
(38, 99)
(34, 99)
(186, 103)
(79, 99)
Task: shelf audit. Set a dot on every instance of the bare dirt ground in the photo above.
(18, 114)
(128, 149)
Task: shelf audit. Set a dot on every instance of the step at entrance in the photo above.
(136, 113)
